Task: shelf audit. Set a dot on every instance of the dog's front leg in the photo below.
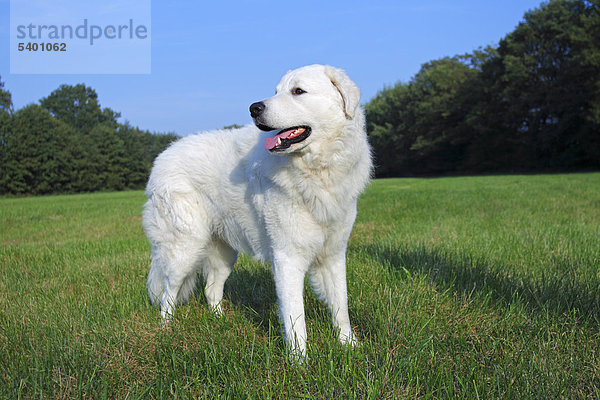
(289, 283)
(328, 278)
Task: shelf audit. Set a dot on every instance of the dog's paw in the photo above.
(217, 309)
(349, 339)
(298, 357)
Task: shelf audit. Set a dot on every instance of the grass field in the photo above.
(484, 287)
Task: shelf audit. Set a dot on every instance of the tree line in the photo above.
(68, 143)
(530, 104)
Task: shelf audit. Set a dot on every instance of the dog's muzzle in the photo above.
(256, 110)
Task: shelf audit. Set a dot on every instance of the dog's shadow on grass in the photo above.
(253, 293)
(561, 294)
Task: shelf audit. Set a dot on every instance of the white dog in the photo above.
(284, 191)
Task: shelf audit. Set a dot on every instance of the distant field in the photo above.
(478, 287)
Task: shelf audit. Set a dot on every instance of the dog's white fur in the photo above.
(217, 193)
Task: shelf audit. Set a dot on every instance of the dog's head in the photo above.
(309, 103)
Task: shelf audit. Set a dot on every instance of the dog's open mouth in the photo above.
(287, 137)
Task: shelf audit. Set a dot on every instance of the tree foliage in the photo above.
(5, 99)
(531, 104)
(68, 144)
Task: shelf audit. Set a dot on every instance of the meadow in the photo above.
(467, 287)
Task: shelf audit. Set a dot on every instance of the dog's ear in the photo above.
(349, 91)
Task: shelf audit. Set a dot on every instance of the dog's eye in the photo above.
(298, 91)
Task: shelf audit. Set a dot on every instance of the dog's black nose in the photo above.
(256, 109)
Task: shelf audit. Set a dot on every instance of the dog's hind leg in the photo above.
(218, 264)
(176, 224)
(172, 276)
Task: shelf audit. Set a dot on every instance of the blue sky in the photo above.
(211, 60)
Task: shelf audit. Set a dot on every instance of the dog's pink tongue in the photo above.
(271, 143)
(275, 141)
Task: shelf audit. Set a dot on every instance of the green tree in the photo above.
(5, 99)
(135, 164)
(78, 107)
(389, 120)
(38, 153)
(420, 127)
(70, 144)
(442, 92)
(6, 134)
(548, 81)
(101, 165)
(531, 104)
